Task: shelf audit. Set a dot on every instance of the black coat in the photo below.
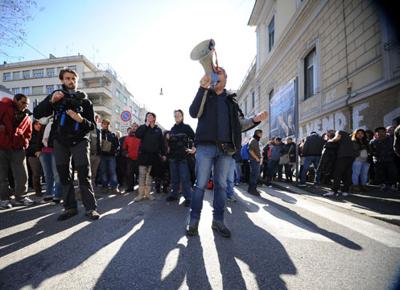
(151, 146)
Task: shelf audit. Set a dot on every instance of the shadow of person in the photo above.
(251, 247)
(158, 256)
(285, 213)
(45, 227)
(72, 251)
(279, 194)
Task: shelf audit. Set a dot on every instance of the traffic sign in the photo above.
(126, 116)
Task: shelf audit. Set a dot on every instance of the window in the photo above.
(7, 76)
(16, 75)
(37, 90)
(60, 68)
(309, 75)
(15, 91)
(51, 72)
(59, 87)
(26, 90)
(271, 33)
(26, 74)
(253, 99)
(73, 67)
(49, 89)
(38, 73)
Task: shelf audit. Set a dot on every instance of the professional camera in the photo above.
(68, 102)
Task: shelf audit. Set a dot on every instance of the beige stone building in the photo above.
(38, 78)
(340, 58)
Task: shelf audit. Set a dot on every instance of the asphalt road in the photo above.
(280, 240)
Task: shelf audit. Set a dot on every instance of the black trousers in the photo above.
(81, 157)
(132, 173)
(342, 172)
(385, 173)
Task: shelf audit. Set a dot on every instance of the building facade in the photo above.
(38, 78)
(336, 63)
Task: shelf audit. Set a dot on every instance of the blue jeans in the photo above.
(254, 174)
(230, 179)
(207, 156)
(53, 185)
(179, 171)
(360, 172)
(308, 160)
(108, 168)
(238, 172)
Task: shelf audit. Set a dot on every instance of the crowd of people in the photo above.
(65, 137)
(345, 162)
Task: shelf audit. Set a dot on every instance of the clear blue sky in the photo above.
(147, 42)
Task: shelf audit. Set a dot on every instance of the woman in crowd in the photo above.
(360, 164)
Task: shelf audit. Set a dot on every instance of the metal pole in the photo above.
(296, 134)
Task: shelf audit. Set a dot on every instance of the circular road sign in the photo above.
(126, 116)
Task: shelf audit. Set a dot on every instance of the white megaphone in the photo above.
(203, 52)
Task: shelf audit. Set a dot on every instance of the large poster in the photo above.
(282, 112)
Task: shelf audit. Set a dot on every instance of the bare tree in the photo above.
(14, 14)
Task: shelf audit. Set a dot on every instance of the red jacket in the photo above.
(11, 137)
(132, 145)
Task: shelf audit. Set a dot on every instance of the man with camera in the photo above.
(218, 137)
(180, 140)
(73, 121)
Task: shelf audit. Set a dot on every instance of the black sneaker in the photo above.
(68, 213)
(192, 229)
(171, 198)
(254, 192)
(220, 227)
(92, 214)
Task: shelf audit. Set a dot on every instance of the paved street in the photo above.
(280, 240)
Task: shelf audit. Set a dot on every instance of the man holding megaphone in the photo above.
(218, 137)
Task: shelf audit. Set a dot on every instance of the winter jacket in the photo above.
(382, 150)
(69, 132)
(209, 113)
(107, 135)
(181, 138)
(15, 127)
(152, 144)
(132, 145)
(313, 145)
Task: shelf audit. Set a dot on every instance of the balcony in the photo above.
(97, 75)
(102, 110)
(99, 91)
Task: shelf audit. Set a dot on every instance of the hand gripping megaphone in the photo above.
(203, 52)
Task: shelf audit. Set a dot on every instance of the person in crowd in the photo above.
(230, 182)
(108, 149)
(95, 151)
(238, 168)
(73, 121)
(15, 133)
(328, 157)
(255, 161)
(121, 157)
(266, 152)
(276, 149)
(152, 149)
(48, 162)
(383, 158)
(32, 154)
(360, 164)
(370, 135)
(181, 136)
(218, 137)
(312, 151)
(245, 156)
(289, 150)
(131, 145)
(160, 172)
(343, 164)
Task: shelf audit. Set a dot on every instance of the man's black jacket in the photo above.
(207, 112)
(67, 134)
